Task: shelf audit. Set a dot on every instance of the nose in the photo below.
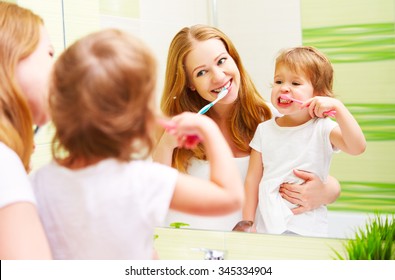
(284, 88)
(218, 74)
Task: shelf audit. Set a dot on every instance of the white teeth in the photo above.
(284, 101)
(218, 90)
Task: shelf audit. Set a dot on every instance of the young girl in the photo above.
(303, 138)
(98, 199)
(26, 58)
(202, 60)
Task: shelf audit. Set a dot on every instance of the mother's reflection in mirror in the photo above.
(201, 61)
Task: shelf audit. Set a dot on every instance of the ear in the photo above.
(192, 88)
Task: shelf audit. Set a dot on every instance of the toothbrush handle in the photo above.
(330, 113)
(205, 108)
(169, 126)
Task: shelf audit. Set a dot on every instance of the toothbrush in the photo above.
(170, 127)
(221, 95)
(330, 113)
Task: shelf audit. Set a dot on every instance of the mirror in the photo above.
(357, 37)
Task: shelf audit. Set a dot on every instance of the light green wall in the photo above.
(120, 8)
(357, 35)
(359, 38)
(80, 18)
(319, 13)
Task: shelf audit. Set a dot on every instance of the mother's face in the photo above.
(32, 74)
(210, 68)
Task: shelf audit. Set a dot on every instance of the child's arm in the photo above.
(348, 137)
(254, 176)
(223, 193)
(251, 190)
(164, 149)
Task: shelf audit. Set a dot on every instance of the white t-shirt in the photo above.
(105, 211)
(201, 169)
(14, 182)
(305, 147)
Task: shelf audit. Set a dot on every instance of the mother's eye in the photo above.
(201, 73)
(221, 61)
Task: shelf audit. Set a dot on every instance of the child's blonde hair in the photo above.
(314, 64)
(101, 98)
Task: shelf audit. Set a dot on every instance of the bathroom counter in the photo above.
(186, 244)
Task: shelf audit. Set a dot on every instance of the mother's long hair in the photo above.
(19, 37)
(248, 111)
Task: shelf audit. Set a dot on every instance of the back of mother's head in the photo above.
(19, 37)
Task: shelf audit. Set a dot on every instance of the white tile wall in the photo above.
(259, 29)
(161, 20)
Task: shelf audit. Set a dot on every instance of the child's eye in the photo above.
(221, 61)
(201, 73)
(278, 82)
(295, 83)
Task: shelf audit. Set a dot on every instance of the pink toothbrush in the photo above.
(330, 113)
(170, 126)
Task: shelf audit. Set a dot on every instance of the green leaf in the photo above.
(178, 225)
(374, 241)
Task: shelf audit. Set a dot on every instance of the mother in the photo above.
(25, 62)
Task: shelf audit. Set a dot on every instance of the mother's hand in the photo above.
(312, 193)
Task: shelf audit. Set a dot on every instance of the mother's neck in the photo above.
(221, 116)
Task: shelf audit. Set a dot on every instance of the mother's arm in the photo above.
(21, 233)
(312, 193)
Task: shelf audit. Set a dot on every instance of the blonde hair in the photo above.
(101, 98)
(249, 109)
(19, 37)
(313, 63)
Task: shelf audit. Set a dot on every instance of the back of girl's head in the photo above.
(101, 97)
(312, 63)
(19, 37)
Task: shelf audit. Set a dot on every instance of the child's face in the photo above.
(295, 85)
(209, 68)
(32, 74)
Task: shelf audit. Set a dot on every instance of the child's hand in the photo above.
(321, 106)
(168, 138)
(187, 128)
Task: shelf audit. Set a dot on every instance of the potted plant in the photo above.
(374, 241)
